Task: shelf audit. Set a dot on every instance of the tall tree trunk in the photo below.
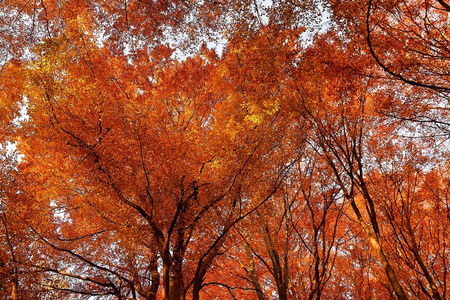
(173, 284)
(276, 265)
(252, 271)
(166, 276)
(415, 250)
(376, 246)
(155, 278)
(14, 295)
(176, 287)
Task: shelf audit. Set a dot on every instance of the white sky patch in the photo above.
(322, 25)
(260, 10)
(10, 147)
(60, 214)
(23, 113)
(218, 44)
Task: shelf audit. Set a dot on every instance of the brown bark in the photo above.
(155, 279)
(376, 246)
(14, 295)
(173, 287)
(277, 268)
(252, 271)
(176, 287)
(415, 250)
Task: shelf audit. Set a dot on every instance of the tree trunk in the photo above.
(176, 288)
(374, 242)
(14, 291)
(252, 271)
(155, 278)
(276, 265)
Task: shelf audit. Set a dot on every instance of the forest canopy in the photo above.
(154, 149)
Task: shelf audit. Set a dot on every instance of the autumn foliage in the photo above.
(224, 149)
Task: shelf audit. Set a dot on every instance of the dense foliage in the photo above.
(242, 149)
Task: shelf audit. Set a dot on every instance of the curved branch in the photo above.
(389, 71)
(444, 4)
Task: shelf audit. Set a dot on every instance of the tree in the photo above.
(341, 127)
(408, 41)
(291, 245)
(203, 149)
(147, 162)
(358, 143)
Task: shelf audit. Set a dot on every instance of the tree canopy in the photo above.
(243, 149)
